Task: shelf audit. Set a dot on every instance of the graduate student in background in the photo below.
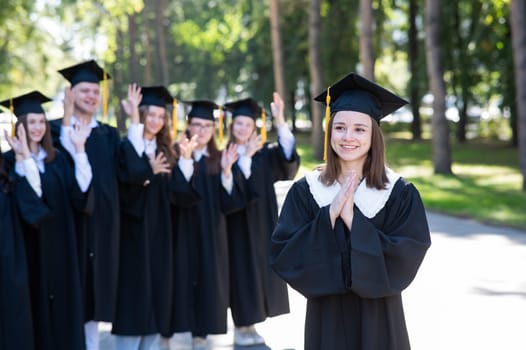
(146, 159)
(352, 234)
(14, 293)
(47, 192)
(256, 292)
(99, 232)
(201, 298)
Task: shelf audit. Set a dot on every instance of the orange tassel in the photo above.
(12, 110)
(263, 126)
(327, 119)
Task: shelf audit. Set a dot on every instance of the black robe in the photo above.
(353, 280)
(16, 328)
(51, 251)
(201, 281)
(256, 292)
(98, 233)
(145, 289)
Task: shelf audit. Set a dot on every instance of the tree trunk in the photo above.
(277, 53)
(132, 37)
(416, 125)
(316, 80)
(439, 126)
(162, 66)
(518, 35)
(119, 84)
(366, 38)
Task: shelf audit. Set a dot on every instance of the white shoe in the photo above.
(199, 343)
(246, 336)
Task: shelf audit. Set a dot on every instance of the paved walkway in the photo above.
(470, 293)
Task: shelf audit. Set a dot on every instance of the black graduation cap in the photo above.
(247, 107)
(156, 96)
(27, 103)
(203, 109)
(88, 71)
(356, 93)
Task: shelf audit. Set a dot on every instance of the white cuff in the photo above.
(83, 172)
(245, 164)
(32, 175)
(227, 182)
(65, 139)
(286, 140)
(187, 167)
(135, 135)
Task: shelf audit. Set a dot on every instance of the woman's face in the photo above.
(36, 127)
(203, 128)
(242, 128)
(351, 137)
(154, 121)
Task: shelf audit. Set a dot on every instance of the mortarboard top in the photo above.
(203, 109)
(88, 71)
(246, 107)
(356, 93)
(156, 96)
(27, 103)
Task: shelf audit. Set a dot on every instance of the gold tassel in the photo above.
(174, 119)
(263, 126)
(327, 119)
(12, 110)
(105, 97)
(220, 126)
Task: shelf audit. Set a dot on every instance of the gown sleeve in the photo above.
(305, 250)
(371, 262)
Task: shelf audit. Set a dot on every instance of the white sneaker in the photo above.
(199, 343)
(246, 336)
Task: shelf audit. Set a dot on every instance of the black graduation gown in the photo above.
(256, 291)
(353, 280)
(144, 297)
(98, 233)
(201, 279)
(16, 329)
(51, 251)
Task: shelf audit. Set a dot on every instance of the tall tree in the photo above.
(416, 124)
(277, 52)
(518, 31)
(160, 43)
(439, 126)
(316, 79)
(366, 38)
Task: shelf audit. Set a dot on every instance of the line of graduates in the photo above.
(154, 236)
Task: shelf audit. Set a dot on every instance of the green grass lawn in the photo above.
(486, 184)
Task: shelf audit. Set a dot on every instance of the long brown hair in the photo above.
(46, 142)
(163, 137)
(373, 168)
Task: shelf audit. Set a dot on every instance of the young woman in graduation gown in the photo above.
(48, 192)
(256, 291)
(201, 297)
(352, 235)
(144, 293)
(16, 328)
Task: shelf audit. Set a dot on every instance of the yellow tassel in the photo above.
(327, 119)
(105, 97)
(263, 126)
(12, 110)
(174, 119)
(220, 126)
